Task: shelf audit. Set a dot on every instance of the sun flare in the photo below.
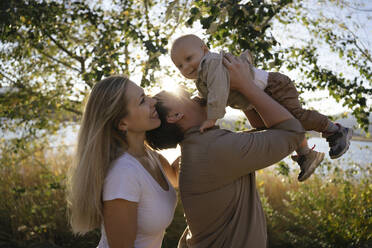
(171, 87)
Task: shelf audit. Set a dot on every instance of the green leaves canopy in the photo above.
(52, 52)
(239, 25)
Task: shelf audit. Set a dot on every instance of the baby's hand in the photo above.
(207, 124)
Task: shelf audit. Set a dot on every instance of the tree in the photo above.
(52, 53)
(239, 25)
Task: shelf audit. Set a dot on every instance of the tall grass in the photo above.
(32, 203)
(331, 209)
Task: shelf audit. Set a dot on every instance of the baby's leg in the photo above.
(282, 89)
(307, 159)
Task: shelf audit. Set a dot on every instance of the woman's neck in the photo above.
(136, 144)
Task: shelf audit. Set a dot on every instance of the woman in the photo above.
(117, 182)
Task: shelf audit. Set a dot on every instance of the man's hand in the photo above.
(207, 124)
(239, 70)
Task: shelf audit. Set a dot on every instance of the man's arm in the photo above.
(269, 110)
(237, 154)
(254, 119)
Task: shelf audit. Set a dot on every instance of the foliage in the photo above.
(282, 168)
(239, 25)
(52, 53)
(32, 205)
(332, 209)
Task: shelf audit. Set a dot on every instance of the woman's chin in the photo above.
(156, 123)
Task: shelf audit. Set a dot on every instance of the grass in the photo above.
(32, 205)
(331, 209)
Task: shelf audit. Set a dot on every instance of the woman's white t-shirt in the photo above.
(129, 180)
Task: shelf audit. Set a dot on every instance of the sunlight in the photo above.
(171, 154)
(171, 87)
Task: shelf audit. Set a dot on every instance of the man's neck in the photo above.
(195, 116)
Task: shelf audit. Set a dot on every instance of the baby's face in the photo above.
(186, 55)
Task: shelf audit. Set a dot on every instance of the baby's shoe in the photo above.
(308, 163)
(339, 141)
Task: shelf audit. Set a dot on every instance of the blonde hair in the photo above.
(99, 143)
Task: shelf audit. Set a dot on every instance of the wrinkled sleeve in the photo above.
(238, 154)
(218, 84)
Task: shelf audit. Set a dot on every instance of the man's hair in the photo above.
(167, 135)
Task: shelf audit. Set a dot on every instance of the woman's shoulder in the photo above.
(122, 180)
(124, 163)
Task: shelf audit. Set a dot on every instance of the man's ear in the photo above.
(123, 125)
(174, 117)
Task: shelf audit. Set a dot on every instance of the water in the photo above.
(360, 152)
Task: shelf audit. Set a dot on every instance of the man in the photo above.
(217, 174)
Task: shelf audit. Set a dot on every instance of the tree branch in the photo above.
(11, 80)
(352, 7)
(17, 84)
(368, 56)
(60, 46)
(72, 110)
(178, 22)
(59, 61)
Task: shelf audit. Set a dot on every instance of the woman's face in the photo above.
(142, 115)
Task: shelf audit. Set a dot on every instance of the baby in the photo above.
(194, 60)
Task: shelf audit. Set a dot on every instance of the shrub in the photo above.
(332, 209)
(32, 205)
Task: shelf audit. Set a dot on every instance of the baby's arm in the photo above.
(218, 84)
(207, 124)
(254, 118)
